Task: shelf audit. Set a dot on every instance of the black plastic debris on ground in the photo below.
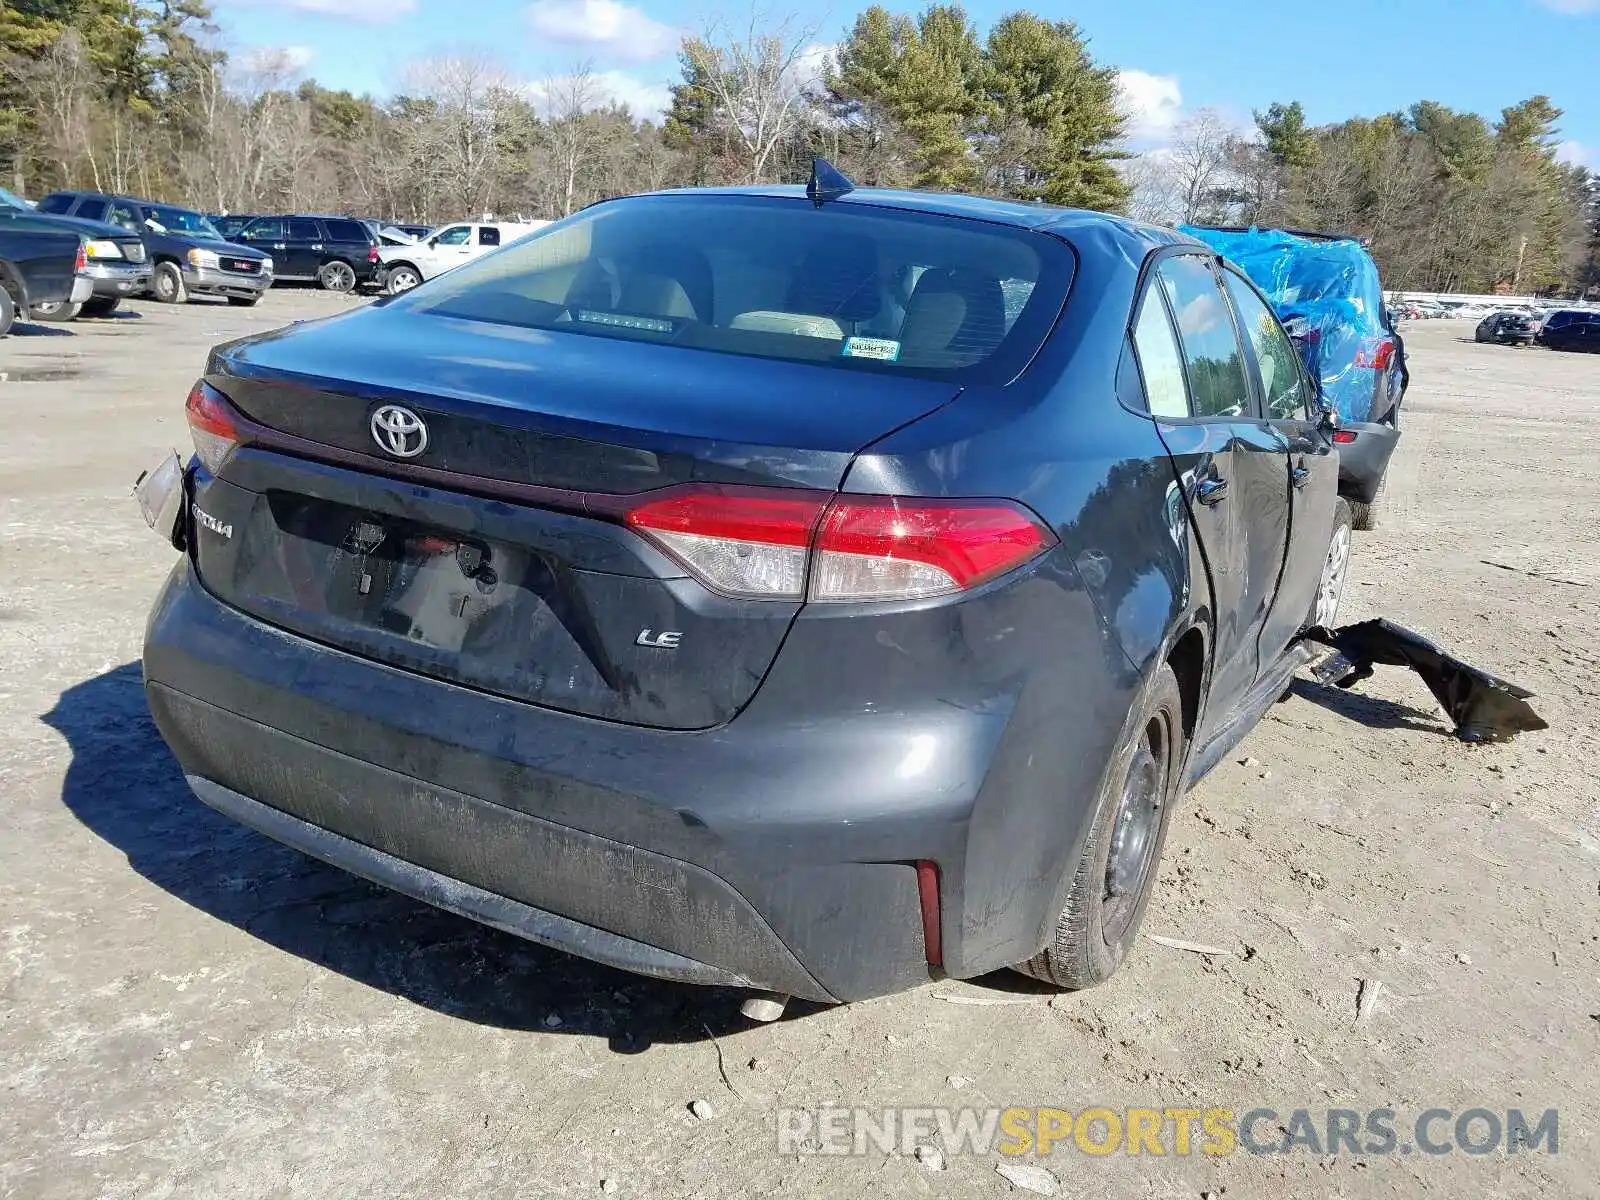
(1484, 707)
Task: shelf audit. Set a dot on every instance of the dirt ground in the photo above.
(188, 1009)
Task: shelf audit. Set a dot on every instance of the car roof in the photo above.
(1018, 214)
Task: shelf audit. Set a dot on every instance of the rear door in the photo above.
(1233, 465)
(1313, 465)
(305, 247)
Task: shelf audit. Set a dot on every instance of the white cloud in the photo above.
(1571, 7)
(645, 100)
(1153, 104)
(813, 63)
(276, 60)
(607, 27)
(1579, 155)
(367, 12)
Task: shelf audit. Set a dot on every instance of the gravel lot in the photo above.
(187, 1009)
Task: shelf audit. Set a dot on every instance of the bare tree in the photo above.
(756, 77)
(57, 88)
(572, 137)
(1199, 154)
(1153, 194)
(470, 93)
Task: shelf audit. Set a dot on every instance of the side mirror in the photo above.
(1327, 417)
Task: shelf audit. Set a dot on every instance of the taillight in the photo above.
(740, 541)
(775, 544)
(82, 263)
(892, 548)
(1344, 437)
(372, 254)
(213, 430)
(1377, 355)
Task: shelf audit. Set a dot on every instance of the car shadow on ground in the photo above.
(125, 786)
(39, 329)
(1372, 711)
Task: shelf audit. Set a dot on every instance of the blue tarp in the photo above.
(1332, 289)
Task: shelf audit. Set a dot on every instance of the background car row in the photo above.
(129, 247)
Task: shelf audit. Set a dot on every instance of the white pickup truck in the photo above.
(404, 267)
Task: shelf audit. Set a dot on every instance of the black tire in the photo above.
(100, 306)
(1364, 517)
(56, 313)
(8, 311)
(1101, 920)
(337, 276)
(244, 301)
(399, 275)
(166, 284)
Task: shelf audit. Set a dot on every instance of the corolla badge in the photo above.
(399, 431)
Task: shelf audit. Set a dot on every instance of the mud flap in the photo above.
(1484, 707)
(160, 493)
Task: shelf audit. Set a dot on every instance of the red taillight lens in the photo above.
(1378, 355)
(1344, 437)
(211, 426)
(774, 544)
(892, 548)
(372, 254)
(82, 263)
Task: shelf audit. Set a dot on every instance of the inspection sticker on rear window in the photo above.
(625, 320)
(886, 349)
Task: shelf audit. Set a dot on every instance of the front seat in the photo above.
(666, 281)
(954, 318)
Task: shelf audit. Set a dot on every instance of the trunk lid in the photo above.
(496, 558)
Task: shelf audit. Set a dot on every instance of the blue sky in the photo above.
(1178, 56)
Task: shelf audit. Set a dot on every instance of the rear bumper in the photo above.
(777, 851)
(118, 279)
(211, 281)
(1363, 462)
(82, 288)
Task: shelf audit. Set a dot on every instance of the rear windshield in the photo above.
(845, 285)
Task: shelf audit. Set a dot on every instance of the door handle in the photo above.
(1299, 476)
(1212, 491)
(316, 245)
(279, 246)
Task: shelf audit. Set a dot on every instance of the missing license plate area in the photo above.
(438, 589)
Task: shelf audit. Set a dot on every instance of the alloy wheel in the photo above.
(1331, 590)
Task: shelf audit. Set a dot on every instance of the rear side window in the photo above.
(347, 231)
(1282, 386)
(125, 215)
(488, 235)
(265, 229)
(1160, 361)
(55, 203)
(301, 230)
(456, 235)
(848, 285)
(1218, 386)
(92, 210)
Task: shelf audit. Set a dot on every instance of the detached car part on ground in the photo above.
(1325, 289)
(40, 265)
(817, 597)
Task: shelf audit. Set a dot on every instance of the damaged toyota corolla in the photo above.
(815, 591)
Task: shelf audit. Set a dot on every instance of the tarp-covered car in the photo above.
(1326, 291)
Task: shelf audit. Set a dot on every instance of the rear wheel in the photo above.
(101, 306)
(1113, 879)
(59, 310)
(167, 284)
(1335, 568)
(337, 276)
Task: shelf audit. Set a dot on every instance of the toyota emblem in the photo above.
(399, 431)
